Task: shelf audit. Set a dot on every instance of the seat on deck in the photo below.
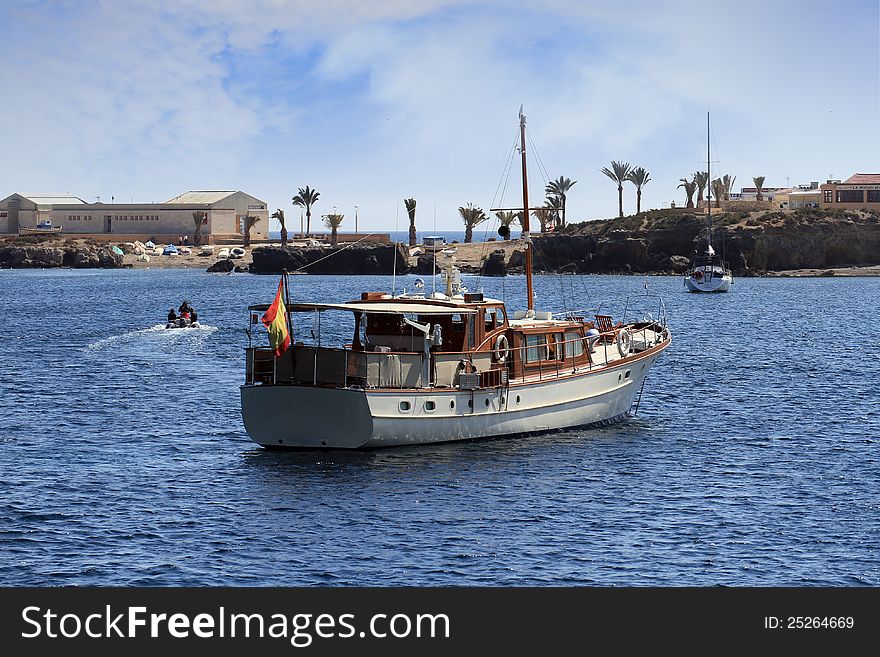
(608, 330)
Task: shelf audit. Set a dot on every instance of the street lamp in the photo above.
(355, 219)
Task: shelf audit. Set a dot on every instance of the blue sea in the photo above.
(754, 459)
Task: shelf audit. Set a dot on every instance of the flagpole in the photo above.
(285, 279)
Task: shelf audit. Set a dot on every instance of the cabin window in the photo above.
(430, 406)
(536, 348)
(472, 322)
(574, 345)
(554, 346)
(405, 406)
(494, 319)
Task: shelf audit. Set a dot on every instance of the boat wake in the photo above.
(154, 332)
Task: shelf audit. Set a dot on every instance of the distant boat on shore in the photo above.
(42, 228)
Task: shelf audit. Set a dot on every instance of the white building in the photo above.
(160, 222)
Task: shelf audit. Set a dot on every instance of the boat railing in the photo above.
(337, 367)
(320, 366)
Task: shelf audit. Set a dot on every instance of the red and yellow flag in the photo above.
(275, 319)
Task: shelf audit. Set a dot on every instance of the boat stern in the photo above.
(306, 417)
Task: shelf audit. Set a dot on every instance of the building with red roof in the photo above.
(861, 191)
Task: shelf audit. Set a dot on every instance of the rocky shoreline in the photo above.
(659, 242)
(72, 254)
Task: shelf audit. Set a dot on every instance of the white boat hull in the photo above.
(316, 417)
(714, 284)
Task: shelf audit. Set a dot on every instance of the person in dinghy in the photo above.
(186, 317)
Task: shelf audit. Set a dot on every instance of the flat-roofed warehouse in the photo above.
(159, 222)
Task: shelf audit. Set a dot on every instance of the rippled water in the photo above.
(753, 460)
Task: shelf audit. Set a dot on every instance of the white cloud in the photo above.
(371, 102)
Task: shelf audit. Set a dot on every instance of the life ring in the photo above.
(502, 348)
(648, 318)
(624, 342)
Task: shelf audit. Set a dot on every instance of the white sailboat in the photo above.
(427, 368)
(708, 272)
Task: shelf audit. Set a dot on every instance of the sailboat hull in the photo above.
(714, 284)
(345, 418)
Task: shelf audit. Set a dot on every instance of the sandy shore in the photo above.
(873, 270)
(191, 261)
(466, 255)
(471, 255)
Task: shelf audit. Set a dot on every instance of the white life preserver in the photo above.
(624, 342)
(502, 348)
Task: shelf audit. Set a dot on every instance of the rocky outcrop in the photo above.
(664, 241)
(361, 259)
(222, 266)
(495, 265)
(78, 256)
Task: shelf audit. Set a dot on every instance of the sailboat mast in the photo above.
(525, 215)
(709, 175)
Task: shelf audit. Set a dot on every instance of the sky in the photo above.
(374, 102)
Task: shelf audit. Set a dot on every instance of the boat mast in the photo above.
(709, 181)
(525, 216)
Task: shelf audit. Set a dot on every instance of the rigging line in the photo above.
(538, 158)
(330, 255)
(499, 200)
(484, 250)
(505, 173)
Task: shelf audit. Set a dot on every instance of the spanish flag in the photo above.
(275, 319)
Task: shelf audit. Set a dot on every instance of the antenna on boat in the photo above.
(525, 218)
(434, 259)
(394, 255)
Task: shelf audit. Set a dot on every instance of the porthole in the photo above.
(452, 405)
(626, 376)
(620, 377)
(502, 401)
(430, 406)
(405, 406)
(487, 401)
(470, 403)
(517, 399)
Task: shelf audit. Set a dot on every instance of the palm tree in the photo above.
(248, 222)
(639, 177)
(279, 215)
(702, 180)
(410, 204)
(544, 216)
(759, 183)
(306, 199)
(506, 218)
(555, 205)
(199, 217)
(559, 188)
(332, 222)
(690, 186)
(618, 173)
(728, 185)
(718, 191)
(472, 218)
